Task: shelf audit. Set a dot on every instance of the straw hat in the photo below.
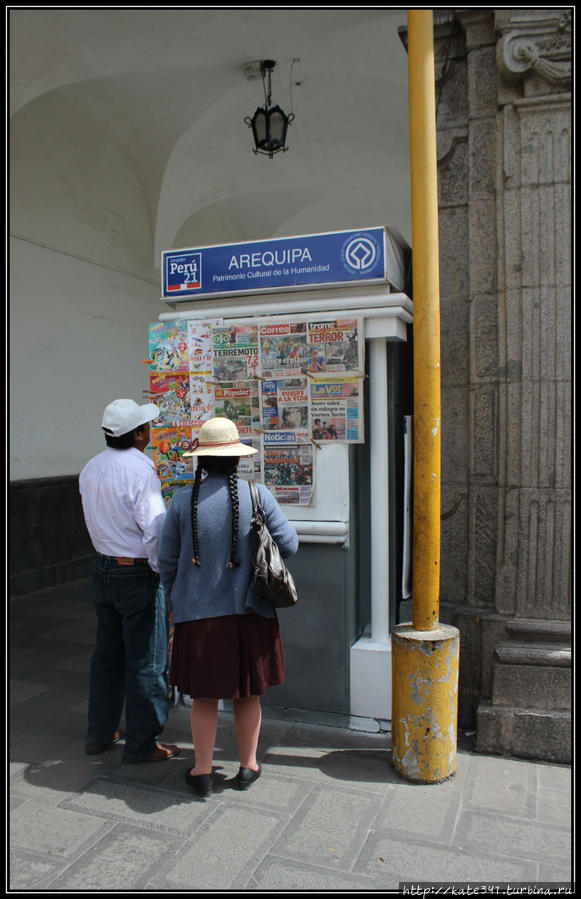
(219, 437)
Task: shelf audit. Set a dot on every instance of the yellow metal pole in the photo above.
(426, 279)
(425, 653)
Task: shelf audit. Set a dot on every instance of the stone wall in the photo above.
(504, 139)
(47, 537)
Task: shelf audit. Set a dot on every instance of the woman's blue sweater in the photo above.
(214, 589)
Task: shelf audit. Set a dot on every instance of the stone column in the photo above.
(528, 712)
(534, 541)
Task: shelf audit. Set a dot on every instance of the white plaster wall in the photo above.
(82, 285)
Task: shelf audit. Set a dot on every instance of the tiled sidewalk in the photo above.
(328, 813)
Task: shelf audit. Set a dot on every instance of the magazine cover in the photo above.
(169, 444)
(168, 489)
(200, 345)
(171, 392)
(201, 400)
(168, 346)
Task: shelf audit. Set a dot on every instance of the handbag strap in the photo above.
(257, 510)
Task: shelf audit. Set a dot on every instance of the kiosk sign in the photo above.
(334, 259)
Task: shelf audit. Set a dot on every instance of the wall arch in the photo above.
(82, 285)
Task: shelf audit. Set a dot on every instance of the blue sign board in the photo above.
(332, 259)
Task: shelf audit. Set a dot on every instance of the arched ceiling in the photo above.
(170, 85)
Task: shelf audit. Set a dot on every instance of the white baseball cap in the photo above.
(122, 416)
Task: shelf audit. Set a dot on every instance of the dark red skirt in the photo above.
(229, 657)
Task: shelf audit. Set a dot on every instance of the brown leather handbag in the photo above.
(272, 579)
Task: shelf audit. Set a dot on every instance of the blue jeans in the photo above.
(131, 656)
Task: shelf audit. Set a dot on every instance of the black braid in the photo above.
(233, 488)
(195, 492)
(229, 467)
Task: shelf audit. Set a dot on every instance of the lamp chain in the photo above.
(269, 97)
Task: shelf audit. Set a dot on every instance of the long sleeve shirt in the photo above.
(122, 503)
(214, 589)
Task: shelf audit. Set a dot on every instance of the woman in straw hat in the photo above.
(227, 643)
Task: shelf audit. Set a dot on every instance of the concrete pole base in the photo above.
(424, 702)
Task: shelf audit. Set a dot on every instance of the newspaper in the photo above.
(337, 409)
(283, 349)
(288, 473)
(335, 345)
(285, 408)
(239, 401)
(235, 355)
(286, 384)
(252, 466)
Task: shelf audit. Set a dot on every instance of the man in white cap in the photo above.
(124, 512)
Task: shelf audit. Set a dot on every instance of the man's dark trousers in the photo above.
(131, 656)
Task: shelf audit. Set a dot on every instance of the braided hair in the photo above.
(227, 465)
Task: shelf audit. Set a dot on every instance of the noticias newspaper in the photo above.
(483, 889)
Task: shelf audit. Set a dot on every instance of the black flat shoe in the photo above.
(247, 776)
(201, 784)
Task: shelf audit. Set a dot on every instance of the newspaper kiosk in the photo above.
(305, 342)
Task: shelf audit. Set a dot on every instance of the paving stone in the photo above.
(329, 738)
(514, 837)
(226, 850)
(47, 716)
(364, 767)
(280, 874)
(169, 773)
(78, 664)
(331, 826)
(124, 859)
(270, 793)
(555, 874)
(24, 663)
(42, 655)
(51, 781)
(21, 691)
(556, 777)
(392, 860)
(367, 768)
(328, 814)
(120, 801)
(27, 746)
(502, 784)
(554, 807)
(78, 632)
(81, 709)
(28, 871)
(54, 831)
(423, 810)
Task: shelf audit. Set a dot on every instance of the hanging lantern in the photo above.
(269, 123)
